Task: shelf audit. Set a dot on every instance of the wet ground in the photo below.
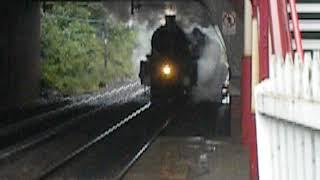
(196, 145)
(196, 158)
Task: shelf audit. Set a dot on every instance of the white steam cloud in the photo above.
(143, 42)
(212, 67)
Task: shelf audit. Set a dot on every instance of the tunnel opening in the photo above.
(90, 55)
(84, 46)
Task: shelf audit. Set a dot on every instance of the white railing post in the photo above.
(288, 75)
(291, 150)
(306, 76)
(315, 76)
(299, 144)
(263, 129)
(316, 141)
(297, 75)
(272, 72)
(279, 75)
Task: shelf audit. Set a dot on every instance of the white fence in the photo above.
(288, 119)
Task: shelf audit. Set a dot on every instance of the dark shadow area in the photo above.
(206, 119)
(68, 120)
(16, 114)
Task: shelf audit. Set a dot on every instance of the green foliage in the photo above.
(120, 45)
(73, 48)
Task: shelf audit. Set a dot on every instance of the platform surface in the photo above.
(192, 158)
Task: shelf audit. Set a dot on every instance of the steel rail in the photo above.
(142, 150)
(52, 132)
(55, 166)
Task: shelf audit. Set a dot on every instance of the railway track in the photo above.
(102, 132)
(123, 143)
(81, 149)
(64, 117)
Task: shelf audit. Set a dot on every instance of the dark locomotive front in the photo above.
(171, 68)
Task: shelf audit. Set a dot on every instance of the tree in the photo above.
(73, 50)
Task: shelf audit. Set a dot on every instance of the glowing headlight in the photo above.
(166, 70)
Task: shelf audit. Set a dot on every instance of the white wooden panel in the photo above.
(288, 124)
(269, 154)
(291, 151)
(283, 150)
(275, 144)
(315, 76)
(317, 154)
(308, 154)
(264, 146)
(299, 153)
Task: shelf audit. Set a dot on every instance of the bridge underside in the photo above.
(19, 52)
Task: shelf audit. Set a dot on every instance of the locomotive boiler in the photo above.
(171, 68)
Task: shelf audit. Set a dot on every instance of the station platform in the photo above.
(194, 148)
(186, 158)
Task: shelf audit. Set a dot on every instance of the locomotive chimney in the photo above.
(170, 21)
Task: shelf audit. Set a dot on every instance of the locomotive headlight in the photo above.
(166, 70)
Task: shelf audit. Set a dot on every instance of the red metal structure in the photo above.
(272, 18)
(296, 27)
(263, 38)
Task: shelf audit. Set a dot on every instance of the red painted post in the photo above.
(246, 73)
(284, 27)
(254, 9)
(296, 27)
(245, 98)
(280, 27)
(263, 39)
(255, 78)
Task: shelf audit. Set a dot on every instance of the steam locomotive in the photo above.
(171, 68)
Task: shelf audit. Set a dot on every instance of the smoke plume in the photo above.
(212, 68)
(143, 43)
